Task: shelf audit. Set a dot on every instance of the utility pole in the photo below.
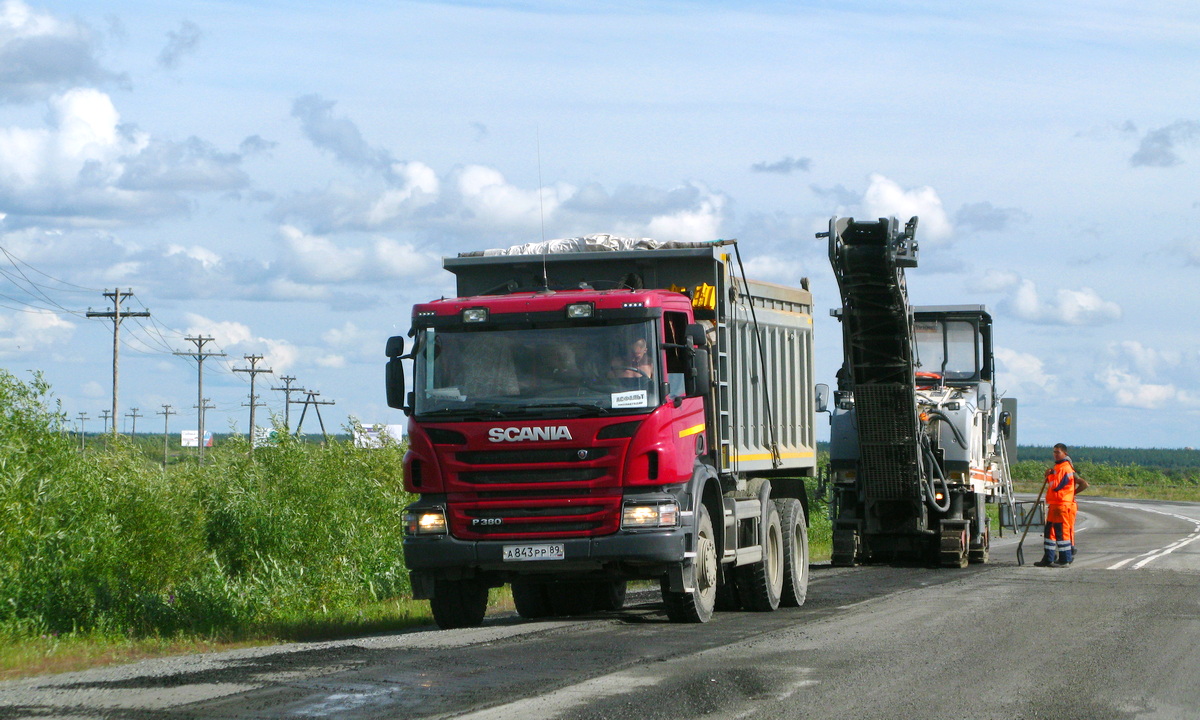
(287, 403)
(200, 355)
(116, 315)
(200, 442)
(135, 416)
(312, 400)
(253, 371)
(82, 430)
(104, 416)
(166, 412)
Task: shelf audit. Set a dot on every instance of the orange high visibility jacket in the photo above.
(1060, 483)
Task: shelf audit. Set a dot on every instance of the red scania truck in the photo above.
(597, 410)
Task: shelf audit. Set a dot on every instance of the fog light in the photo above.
(475, 315)
(580, 310)
(425, 522)
(649, 515)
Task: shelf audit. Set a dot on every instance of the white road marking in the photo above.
(1140, 561)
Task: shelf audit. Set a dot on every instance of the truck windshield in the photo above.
(508, 372)
(948, 348)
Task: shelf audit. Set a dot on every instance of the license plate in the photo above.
(553, 551)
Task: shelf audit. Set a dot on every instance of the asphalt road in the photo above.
(1117, 635)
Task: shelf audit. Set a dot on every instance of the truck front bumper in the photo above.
(627, 554)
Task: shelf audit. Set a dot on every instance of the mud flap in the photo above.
(682, 577)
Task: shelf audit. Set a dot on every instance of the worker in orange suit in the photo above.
(1060, 511)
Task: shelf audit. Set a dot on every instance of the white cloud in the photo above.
(1129, 390)
(207, 258)
(236, 339)
(1019, 369)
(701, 222)
(40, 53)
(998, 281)
(86, 167)
(1145, 360)
(886, 198)
(1069, 307)
(773, 268)
(331, 361)
(33, 331)
(317, 259)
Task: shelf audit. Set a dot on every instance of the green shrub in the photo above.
(110, 541)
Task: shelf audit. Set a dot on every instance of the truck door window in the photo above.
(674, 327)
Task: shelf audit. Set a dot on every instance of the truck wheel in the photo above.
(531, 599)
(458, 603)
(609, 595)
(761, 583)
(696, 605)
(795, 552)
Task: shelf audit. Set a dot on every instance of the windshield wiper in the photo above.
(465, 412)
(587, 408)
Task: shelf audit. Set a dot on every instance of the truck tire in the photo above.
(761, 583)
(795, 552)
(696, 605)
(532, 599)
(609, 595)
(458, 603)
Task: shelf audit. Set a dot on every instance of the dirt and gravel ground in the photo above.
(1117, 635)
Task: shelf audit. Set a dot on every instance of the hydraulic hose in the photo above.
(958, 438)
(929, 483)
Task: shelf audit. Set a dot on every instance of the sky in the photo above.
(285, 178)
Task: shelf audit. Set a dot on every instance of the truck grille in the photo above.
(530, 457)
(515, 477)
(546, 518)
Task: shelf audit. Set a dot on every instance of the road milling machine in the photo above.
(919, 440)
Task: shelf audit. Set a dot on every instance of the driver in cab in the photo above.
(636, 363)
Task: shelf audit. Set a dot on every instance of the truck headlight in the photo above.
(580, 310)
(475, 315)
(425, 522)
(649, 515)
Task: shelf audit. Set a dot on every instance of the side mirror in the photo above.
(394, 382)
(699, 377)
(695, 332)
(394, 375)
(1005, 423)
(822, 397)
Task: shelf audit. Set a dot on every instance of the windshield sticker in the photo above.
(631, 399)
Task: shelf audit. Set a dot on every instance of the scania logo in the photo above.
(515, 434)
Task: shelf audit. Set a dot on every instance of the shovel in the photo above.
(1028, 520)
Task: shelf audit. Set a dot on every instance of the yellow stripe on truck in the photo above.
(782, 456)
(692, 430)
